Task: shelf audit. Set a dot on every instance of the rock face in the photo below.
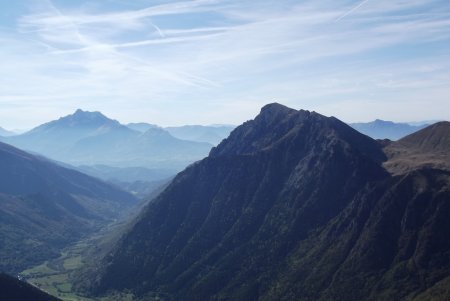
(293, 205)
(44, 207)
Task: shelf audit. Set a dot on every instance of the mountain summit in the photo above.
(293, 205)
(278, 126)
(81, 117)
(83, 121)
(56, 138)
(90, 138)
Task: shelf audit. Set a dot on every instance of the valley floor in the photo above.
(54, 278)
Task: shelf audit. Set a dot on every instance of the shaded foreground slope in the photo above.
(44, 207)
(292, 206)
(12, 289)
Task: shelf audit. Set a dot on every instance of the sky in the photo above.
(220, 61)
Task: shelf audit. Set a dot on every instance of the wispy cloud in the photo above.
(351, 10)
(46, 19)
(210, 55)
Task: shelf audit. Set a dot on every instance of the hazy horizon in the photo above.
(23, 130)
(216, 61)
(225, 150)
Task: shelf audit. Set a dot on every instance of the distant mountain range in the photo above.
(293, 205)
(139, 181)
(135, 156)
(6, 133)
(44, 207)
(142, 126)
(201, 133)
(212, 134)
(380, 129)
(90, 138)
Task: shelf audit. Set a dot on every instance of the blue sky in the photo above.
(217, 61)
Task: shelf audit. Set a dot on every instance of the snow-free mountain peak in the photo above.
(6, 133)
(383, 129)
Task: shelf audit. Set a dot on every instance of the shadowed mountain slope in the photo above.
(44, 206)
(293, 205)
(12, 289)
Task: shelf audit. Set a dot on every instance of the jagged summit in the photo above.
(272, 124)
(86, 118)
(82, 113)
(275, 107)
(278, 126)
(273, 112)
(79, 121)
(78, 111)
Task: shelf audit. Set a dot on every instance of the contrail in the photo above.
(158, 30)
(352, 10)
(161, 34)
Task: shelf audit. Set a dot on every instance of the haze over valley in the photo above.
(212, 150)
